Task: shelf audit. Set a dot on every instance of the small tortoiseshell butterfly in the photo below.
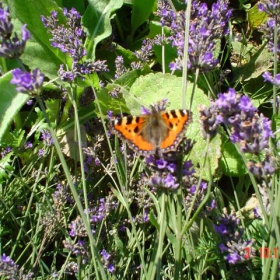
(158, 131)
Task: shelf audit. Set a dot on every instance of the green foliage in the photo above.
(231, 161)
(69, 189)
(11, 103)
(38, 51)
(97, 20)
(141, 10)
(6, 168)
(256, 17)
(253, 62)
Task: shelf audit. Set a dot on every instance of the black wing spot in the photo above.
(171, 125)
(173, 113)
(136, 129)
(129, 120)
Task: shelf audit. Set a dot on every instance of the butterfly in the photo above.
(157, 131)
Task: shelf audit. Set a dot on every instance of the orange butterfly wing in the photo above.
(176, 121)
(129, 128)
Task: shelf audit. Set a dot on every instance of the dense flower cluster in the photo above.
(120, 68)
(249, 128)
(209, 121)
(262, 169)
(11, 46)
(273, 80)
(61, 195)
(198, 193)
(145, 53)
(27, 82)
(69, 38)
(8, 267)
(10, 270)
(6, 151)
(205, 27)
(269, 28)
(142, 56)
(46, 137)
(234, 247)
(79, 246)
(96, 214)
(105, 258)
(272, 9)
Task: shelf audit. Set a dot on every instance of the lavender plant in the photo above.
(76, 202)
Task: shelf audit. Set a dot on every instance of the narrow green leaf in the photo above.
(6, 167)
(153, 220)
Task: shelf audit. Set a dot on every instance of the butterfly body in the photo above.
(157, 131)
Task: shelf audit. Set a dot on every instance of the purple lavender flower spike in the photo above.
(270, 7)
(233, 258)
(6, 27)
(106, 257)
(273, 80)
(69, 38)
(27, 82)
(11, 47)
(46, 137)
(206, 26)
(234, 245)
(209, 120)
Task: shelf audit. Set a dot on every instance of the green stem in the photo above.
(162, 222)
(77, 123)
(186, 53)
(95, 255)
(178, 244)
(275, 39)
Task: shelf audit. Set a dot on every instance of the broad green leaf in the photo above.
(155, 87)
(78, 5)
(123, 83)
(97, 19)
(255, 61)
(30, 13)
(141, 10)
(40, 56)
(107, 103)
(11, 102)
(256, 17)
(231, 162)
(53, 106)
